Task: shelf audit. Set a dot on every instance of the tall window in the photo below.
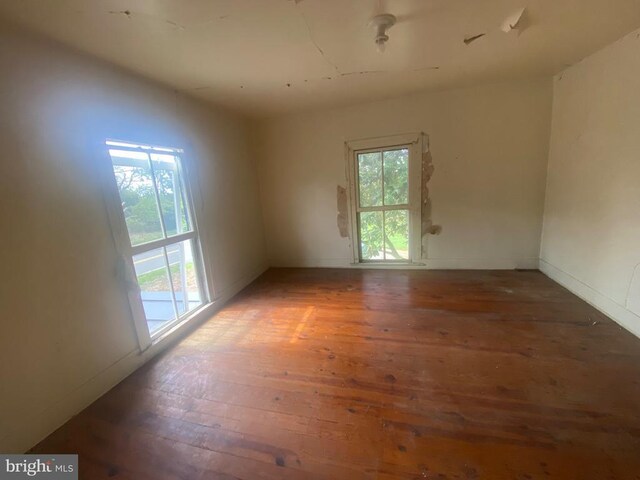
(385, 179)
(163, 239)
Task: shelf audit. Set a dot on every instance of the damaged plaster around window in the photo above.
(428, 228)
(343, 207)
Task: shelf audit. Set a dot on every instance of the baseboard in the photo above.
(427, 264)
(311, 263)
(482, 263)
(42, 424)
(619, 313)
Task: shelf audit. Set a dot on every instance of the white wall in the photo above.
(591, 238)
(66, 333)
(489, 146)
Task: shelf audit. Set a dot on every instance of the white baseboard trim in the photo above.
(620, 314)
(482, 263)
(427, 264)
(42, 424)
(312, 263)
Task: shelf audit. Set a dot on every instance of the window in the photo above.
(163, 244)
(385, 196)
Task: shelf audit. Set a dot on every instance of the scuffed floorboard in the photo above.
(370, 374)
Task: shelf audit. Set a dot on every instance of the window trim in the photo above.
(414, 143)
(120, 234)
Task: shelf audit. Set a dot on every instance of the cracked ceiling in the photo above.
(267, 57)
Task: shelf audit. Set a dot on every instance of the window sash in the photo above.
(378, 208)
(122, 237)
(415, 143)
(148, 151)
(383, 260)
(381, 151)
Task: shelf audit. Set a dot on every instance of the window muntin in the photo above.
(164, 243)
(383, 209)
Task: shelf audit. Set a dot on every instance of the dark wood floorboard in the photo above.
(378, 374)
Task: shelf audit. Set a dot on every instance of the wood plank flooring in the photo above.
(378, 374)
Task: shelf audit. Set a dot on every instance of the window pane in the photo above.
(396, 177)
(135, 184)
(172, 198)
(396, 238)
(155, 288)
(371, 241)
(370, 179)
(183, 272)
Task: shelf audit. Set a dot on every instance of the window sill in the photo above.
(183, 323)
(388, 264)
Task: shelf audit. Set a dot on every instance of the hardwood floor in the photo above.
(378, 374)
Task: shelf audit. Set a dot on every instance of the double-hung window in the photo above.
(385, 198)
(163, 244)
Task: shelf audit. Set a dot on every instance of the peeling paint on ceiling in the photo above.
(243, 53)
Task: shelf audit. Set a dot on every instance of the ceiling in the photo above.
(266, 57)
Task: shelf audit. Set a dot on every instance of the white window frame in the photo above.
(413, 142)
(120, 233)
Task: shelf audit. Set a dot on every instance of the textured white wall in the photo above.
(66, 332)
(489, 147)
(591, 237)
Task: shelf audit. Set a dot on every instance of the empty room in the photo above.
(320, 239)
